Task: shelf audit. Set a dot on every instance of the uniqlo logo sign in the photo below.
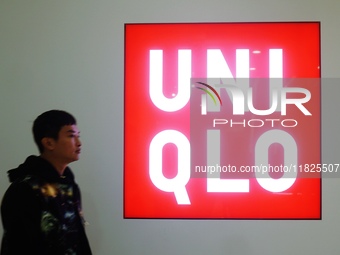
(222, 121)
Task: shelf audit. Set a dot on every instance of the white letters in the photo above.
(238, 99)
(290, 158)
(241, 96)
(298, 102)
(177, 184)
(214, 183)
(262, 112)
(156, 81)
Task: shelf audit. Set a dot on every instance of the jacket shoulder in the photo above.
(21, 193)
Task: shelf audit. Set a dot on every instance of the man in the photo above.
(41, 210)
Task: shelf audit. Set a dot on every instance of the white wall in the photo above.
(69, 55)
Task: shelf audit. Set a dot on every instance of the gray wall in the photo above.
(69, 55)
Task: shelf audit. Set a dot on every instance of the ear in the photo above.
(48, 143)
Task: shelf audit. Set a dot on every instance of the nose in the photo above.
(78, 142)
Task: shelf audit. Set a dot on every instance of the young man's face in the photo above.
(67, 147)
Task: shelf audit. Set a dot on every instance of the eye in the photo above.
(74, 136)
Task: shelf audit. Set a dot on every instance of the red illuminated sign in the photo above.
(222, 120)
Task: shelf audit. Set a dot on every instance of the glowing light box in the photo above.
(222, 121)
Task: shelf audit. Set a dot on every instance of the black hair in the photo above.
(49, 123)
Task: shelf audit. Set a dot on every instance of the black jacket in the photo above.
(41, 212)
